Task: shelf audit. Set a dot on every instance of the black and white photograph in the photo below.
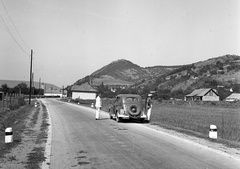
(119, 84)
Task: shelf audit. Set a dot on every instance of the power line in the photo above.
(11, 35)
(14, 25)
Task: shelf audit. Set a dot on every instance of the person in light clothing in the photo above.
(148, 107)
(98, 106)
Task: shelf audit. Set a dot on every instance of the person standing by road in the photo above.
(148, 106)
(98, 106)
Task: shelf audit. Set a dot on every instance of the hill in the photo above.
(222, 73)
(124, 72)
(215, 72)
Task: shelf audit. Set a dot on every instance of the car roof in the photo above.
(128, 95)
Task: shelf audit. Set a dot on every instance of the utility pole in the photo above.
(30, 92)
(39, 87)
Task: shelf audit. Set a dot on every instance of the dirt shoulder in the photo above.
(30, 126)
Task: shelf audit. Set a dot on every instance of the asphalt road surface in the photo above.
(80, 141)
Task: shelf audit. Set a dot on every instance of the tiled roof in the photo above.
(83, 87)
(201, 92)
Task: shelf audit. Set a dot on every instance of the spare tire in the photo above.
(133, 110)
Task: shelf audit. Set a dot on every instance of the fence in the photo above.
(11, 101)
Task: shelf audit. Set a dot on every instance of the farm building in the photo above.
(233, 97)
(203, 95)
(84, 91)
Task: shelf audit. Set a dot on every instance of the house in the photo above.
(233, 97)
(203, 95)
(84, 91)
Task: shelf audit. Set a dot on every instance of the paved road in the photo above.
(80, 141)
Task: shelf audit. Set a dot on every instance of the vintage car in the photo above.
(127, 106)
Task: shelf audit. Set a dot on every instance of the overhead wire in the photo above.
(9, 31)
(14, 26)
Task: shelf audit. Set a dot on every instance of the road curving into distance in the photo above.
(80, 141)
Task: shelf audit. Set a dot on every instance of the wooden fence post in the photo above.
(6, 100)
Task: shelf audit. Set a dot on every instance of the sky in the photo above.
(72, 39)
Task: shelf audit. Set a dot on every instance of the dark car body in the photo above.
(127, 106)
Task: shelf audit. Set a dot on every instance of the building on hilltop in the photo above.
(203, 95)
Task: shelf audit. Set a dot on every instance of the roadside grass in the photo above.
(196, 120)
(16, 120)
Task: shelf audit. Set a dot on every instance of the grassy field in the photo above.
(196, 118)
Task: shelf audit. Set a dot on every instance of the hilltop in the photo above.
(124, 72)
(220, 72)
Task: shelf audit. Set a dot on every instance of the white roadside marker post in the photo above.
(213, 132)
(8, 135)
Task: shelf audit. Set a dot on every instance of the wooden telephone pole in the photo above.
(30, 92)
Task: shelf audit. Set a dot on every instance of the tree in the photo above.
(5, 88)
(236, 88)
(223, 93)
(178, 93)
(145, 90)
(21, 88)
(164, 94)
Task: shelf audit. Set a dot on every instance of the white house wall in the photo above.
(53, 94)
(82, 95)
(210, 98)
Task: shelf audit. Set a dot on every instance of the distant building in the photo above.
(84, 91)
(203, 95)
(53, 92)
(233, 97)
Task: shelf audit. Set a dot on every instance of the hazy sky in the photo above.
(73, 38)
